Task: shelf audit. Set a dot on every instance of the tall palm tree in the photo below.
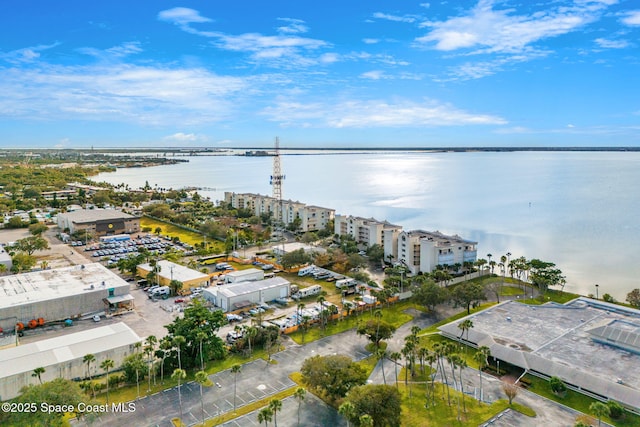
(165, 348)
(201, 336)
(432, 358)
(250, 332)
(177, 342)
(37, 373)
(137, 347)
(203, 380)
(235, 369)
(381, 355)
(179, 375)
(464, 326)
(106, 365)
(321, 299)
(275, 405)
(299, 396)
(395, 356)
(348, 411)
(89, 359)
(481, 358)
(266, 415)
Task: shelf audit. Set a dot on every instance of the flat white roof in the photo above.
(564, 340)
(90, 215)
(27, 288)
(244, 288)
(171, 270)
(53, 351)
(246, 272)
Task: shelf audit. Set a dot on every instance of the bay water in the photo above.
(576, 209)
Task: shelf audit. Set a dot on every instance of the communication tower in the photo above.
(276, 178)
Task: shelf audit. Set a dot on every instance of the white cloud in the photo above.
(143, 95)
(490, 31)
(182, 16)
(115, 52)
(27, 54)
(632, 18)
(295, 26)
(612, 44)
(373, 75)
(375, 113)
(370, 41)
(185, 137)
(395, 18)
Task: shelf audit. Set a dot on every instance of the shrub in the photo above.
(616, 410)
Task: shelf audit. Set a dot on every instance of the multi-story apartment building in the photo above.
(368, 231)
(422, 251)
(313, 218)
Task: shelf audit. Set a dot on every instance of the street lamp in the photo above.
(597, 286)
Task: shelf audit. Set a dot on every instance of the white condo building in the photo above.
(422, 251)
(368, 231)
(314, 218)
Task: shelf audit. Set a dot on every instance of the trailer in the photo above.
(307, 270)
(307, 292)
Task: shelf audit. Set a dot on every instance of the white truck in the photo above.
(161, 292)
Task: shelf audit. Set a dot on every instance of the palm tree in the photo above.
(600, 410)
(88, 359)
(266, 415)
(165, 348)
(380, 355)
(481, 358)
(177, 342)
(275, 405)
(395, 356)
(235, 369)
(38, 372)
(299, 396)
(348, 411)
(464, 326)
(137, 347)
(106, 365)
(179, 374)
(251, 332)
(305, 325)
(201, 336)
(203, 380)
(321, 299)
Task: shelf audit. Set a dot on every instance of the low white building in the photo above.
(236, 296)
(5, 259)
(99, 222)
(62, 357)
(59, 294)
(248, 275)
(294, 246)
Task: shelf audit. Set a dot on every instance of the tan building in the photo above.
(99, 222)
(313, 218)
(422, 251)
(168, 271)
(368, 231)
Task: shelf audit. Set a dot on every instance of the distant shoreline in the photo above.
(230, 150)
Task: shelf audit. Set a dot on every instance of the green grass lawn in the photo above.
(434, 328)
(184, 235)
(577, 401)
(394, 315)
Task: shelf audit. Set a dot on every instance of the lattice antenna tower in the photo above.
(277, 177)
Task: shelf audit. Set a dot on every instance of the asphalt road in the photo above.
(257, 380)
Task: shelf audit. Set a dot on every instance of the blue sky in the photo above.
(333, 73)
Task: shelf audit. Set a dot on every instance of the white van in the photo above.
(161, 292)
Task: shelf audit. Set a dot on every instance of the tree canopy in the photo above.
(430, 294)
(381, 402)
(376, 330)
(467, 294)
(333, 375)
(198, 322)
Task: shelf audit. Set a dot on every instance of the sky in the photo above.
(349, 73)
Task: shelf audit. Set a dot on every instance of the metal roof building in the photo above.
(57, 294)
(593, 346)
(99, 222)
(62, 357)
(241, 295)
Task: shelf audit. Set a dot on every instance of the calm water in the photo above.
(579, 210)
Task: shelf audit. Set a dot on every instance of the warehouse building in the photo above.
(247, 275)
(59, 294)
(62, 357)
(99, 222)
(168, 271)
(237, 296)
